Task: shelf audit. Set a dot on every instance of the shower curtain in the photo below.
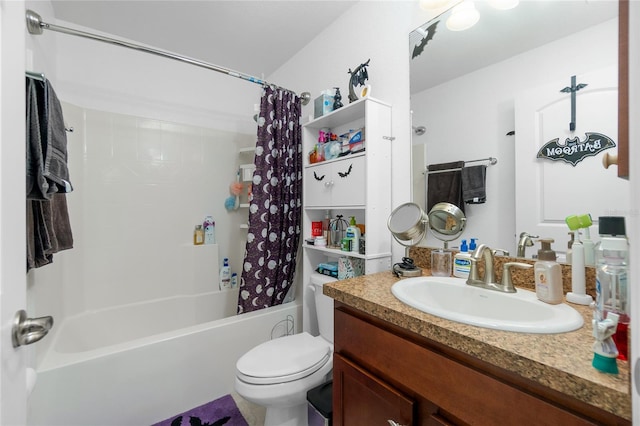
(276, 204)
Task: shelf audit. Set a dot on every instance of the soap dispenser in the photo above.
(462, 262)
(548, 274)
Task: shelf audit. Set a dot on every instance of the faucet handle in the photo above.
(503, 251)
(506, 274)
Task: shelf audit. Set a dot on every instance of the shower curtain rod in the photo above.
(35, 26)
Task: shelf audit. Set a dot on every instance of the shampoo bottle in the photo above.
(225, 275)
(209, 230)
(462, 262)
(548, 274)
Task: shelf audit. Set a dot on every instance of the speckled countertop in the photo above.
(558, 361)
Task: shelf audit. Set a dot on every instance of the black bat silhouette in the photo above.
(347, 173)
(431, 31)
(574, 150)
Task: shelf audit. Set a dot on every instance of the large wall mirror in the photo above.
(475, 95)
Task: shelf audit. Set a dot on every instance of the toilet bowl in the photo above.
(277, 374)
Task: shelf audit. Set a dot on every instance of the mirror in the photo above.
(447, 222)
(464, 85)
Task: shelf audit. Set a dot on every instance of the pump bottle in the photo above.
(548, 274)
(225, 275)
(462, 261)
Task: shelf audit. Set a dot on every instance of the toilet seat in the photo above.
(284, 359)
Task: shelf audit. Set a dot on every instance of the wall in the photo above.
(369, 30)
(473, 113)
(153, 152)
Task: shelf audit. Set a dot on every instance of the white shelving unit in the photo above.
(246, 170)
(354, 185)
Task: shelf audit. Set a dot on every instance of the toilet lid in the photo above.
(284, 359)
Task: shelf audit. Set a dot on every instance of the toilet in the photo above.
(277, 374)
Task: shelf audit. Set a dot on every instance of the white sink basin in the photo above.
(453, 299)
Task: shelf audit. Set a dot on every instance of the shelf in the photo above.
(250, 150)
(244, 206)
(346, 114)
(338, 253)
(244, 226)
(333, 160)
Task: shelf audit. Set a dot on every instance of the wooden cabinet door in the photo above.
(361, 399)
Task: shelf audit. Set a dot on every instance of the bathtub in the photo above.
(142, 363)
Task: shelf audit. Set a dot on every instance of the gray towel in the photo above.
(445, 186)
(474, 184)
(48, 227)
(46, 154)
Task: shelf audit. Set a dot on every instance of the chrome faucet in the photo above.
(489, 280)
(524, 241)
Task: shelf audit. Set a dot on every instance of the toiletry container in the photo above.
(472, 245)
(548, 274)
(462, 261)
(225, 275)
(209, 230)
(198, 235)
(353, 234)
(234, 280)
(612, 290)
(569, 249)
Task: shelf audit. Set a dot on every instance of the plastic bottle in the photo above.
(234, 280)
(612, 291)
(325, 226)
(462, 262)
(198, 235)
(578, 293)
(225, 275)
(548, 274)
(209, 230)
(589, 248)
(569, 253)
(353, 234)
(472, 244)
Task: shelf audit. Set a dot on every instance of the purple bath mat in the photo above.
(222, 411)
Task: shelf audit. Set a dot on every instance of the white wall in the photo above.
(369, 30)
(153, 152)
(471, 115)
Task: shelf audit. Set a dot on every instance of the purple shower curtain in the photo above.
(275, 208)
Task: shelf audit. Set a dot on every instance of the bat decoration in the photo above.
(428, 35)
(318, 178)
(574, 150)
(348, 172)
(358, 77)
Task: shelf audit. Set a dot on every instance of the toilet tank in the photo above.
(324, 306)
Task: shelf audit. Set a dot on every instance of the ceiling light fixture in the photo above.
(463, 16)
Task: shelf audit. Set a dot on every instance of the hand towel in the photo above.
(48, 230)
(445, 186)
(37, 184)
(55, 166)
(474, 184)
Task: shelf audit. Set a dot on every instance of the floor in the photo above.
(253, 414)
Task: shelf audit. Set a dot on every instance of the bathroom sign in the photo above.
(575, 150)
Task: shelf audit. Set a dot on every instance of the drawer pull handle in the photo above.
(392, 423)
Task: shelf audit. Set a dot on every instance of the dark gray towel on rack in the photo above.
(47, 171)
(474, 184)
(445, 186)
(48, 230)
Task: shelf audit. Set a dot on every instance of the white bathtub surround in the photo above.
(151, 378)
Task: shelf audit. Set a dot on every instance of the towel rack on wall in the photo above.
(492, 161)
(35, 26)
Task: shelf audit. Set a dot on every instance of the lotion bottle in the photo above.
(462, 261)
(548, 274)
(225, 275)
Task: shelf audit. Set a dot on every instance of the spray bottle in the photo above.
(578, 293)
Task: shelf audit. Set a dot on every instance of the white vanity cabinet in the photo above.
(339, 182)
(353, 185)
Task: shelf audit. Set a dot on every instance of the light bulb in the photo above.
(463, 16)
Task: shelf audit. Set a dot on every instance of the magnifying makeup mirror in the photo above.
(408, 224)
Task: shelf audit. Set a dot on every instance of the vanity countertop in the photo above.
(559, 361)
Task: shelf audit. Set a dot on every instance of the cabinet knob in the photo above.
(328, 183)
(393, 423)
(609, 159)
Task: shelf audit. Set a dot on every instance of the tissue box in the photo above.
(349, 267)
(322, 105)
(356, 140)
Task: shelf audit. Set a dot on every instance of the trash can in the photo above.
(320, 407)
